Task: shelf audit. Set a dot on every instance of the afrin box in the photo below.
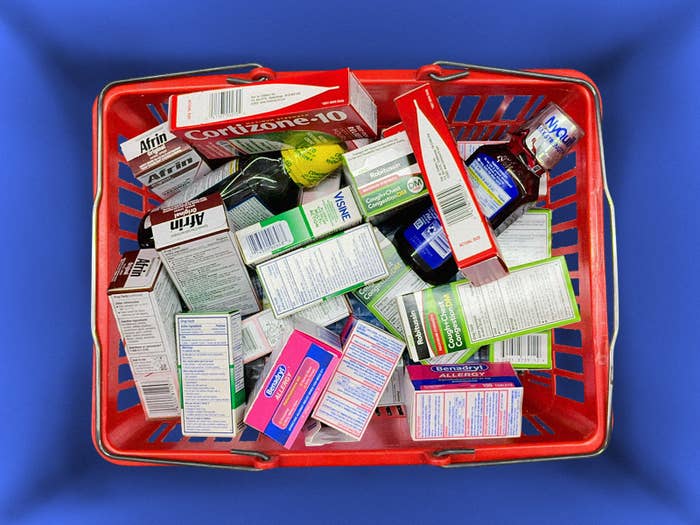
(292, 381)
(210, 365)
(163, 162)
(458, 316)
(201, 255)
(330, 267)
(473, 400)
(298, 227)
(471, 238)
(370, 356)
(144, 302)
(302, 110)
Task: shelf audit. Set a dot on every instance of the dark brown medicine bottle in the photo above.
(506, 177)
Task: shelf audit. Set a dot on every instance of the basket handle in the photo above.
(436, 72)
(255, 73)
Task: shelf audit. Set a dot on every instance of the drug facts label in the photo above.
(369, 358)
(210, 364)
(330, 267)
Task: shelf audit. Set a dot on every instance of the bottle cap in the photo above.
(309, 166)
(551, 135)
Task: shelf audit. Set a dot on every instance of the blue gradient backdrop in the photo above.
(56, 56)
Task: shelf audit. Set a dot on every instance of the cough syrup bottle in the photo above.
(505, 177)
(257, 187)
(423, 246)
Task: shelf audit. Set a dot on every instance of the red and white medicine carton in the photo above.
(307, 109)
(467, 401)
(471, 238)
(162, 161)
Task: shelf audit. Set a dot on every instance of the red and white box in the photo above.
(471, 238)
(468, 401)
(303, 110)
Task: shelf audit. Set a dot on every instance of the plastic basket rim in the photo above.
(463, 70)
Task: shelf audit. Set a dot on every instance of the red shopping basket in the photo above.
(566, 412)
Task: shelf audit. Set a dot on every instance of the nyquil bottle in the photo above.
(505, 177)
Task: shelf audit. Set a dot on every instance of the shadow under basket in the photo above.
(566, 411)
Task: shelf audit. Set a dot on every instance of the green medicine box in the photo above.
(384, 176)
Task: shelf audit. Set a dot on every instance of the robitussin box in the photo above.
(303, 110)
(384, 175)
(471, 238)
(468, 401)
(292, 381)
(459, 316)
(144, 302)
(162, 161)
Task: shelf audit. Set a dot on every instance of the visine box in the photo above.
(163, 162)
(302, 110)
(292, 381)
(370, 356)
(468, 401)
(199, 250)
(330, 267)
(144, 301)
(298, 227)
(210, 365)
(471, 238)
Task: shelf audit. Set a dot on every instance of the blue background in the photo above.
(55, 58)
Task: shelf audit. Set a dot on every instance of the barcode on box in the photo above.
(228, 147)
(454, 205)
(225, 103)
(160, 399)
(526, 349)
(270, 238)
